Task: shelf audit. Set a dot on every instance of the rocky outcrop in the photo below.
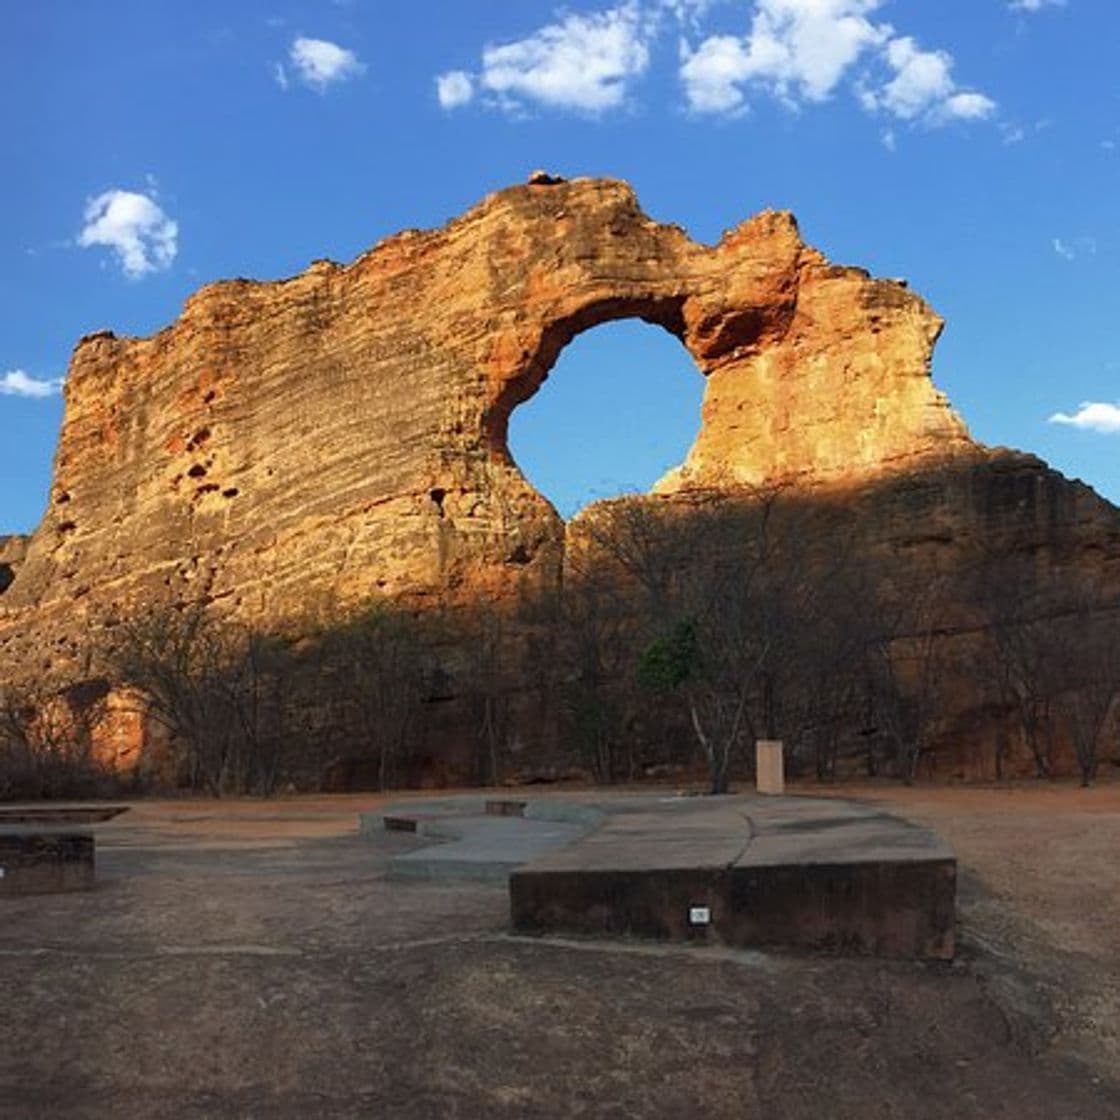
(343, 433)
(12, 551)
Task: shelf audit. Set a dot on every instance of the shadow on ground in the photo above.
(255, 961)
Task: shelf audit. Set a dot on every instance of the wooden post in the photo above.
(769, 771)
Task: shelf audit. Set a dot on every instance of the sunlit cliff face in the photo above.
(344, 433)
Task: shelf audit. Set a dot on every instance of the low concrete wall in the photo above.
(44, 861)
(769, 872)
(880, 909)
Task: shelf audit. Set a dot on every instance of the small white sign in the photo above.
(699, 915)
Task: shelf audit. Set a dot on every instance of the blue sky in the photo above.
(971, 146)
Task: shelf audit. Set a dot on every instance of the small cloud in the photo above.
(584, 63)
(1063, 250)
(923, 88)
(714, 74)
(688, 13)
(319, 63)
(1108, 145)
(889, 141)
(135, 227)
(1092, 416)
(16, 383)
(795, 50)
(1034, 5)
(1078, 247)
(920, 80)
(802, 51)
(967, 106)
(455, 88)
(281, 75)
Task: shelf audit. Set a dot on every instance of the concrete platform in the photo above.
(476, 840)
(801, 872)
(60, 814)
(40, 860)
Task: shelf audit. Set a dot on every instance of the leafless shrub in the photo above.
(46, 741)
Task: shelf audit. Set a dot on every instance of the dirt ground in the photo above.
(1038, 897)
(251, 959)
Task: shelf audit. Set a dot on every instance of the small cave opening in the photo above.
(7, 577)
(617, 411)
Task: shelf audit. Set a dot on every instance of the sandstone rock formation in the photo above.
(343, 433)
(12, 552)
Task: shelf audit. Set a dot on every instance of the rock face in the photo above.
(12, 552)
(343, 433)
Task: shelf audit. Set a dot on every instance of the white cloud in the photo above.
(689, 13)
(714, 74)
(583, 62)
(1034, 5)
(921, 79)
(1092, 416)
(1063, 250)
(319, 63)
(966, 106)
(923, 87)
(1078, 247)
(455, 88)
(134, 226)
(795, 49)
(16, 383)
(800, 51)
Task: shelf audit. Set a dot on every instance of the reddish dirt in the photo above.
(251, 959)
(1039, 891)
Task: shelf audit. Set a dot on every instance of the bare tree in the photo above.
(376, 665)
(1018, 657)
(47, 740)
(909, 671)
(1089, 654)
(217, 690)
(484, 647)
(742, 614)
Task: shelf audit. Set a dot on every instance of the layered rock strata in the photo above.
(343, 433)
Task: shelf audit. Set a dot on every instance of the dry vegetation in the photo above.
(677, 636)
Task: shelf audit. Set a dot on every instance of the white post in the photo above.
(769, 772)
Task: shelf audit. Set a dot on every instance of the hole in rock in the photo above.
(619, 409)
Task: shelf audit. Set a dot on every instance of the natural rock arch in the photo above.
(344, 433)
(619, 409)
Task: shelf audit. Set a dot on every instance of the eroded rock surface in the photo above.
(343, 433)
(12, 551)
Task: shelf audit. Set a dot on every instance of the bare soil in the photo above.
(251, 959)
(1038, 898)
